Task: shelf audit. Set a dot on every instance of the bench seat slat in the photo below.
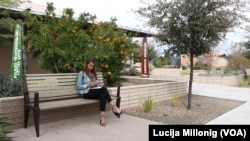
(39, 88)
(42, 99)
(57, 92)
(65, 103)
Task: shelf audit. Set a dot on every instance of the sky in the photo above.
(104, 9)
(122, 10)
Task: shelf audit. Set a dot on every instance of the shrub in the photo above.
(197, 66)
(9, 88)
(184, 67)
(244, 82)
(133, 72)
(160, 63)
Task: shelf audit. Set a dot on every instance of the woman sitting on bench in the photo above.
(87, 86)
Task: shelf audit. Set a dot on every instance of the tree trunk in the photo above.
(190, 81)
(57, 71)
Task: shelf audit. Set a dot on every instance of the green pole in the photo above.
(16, 65)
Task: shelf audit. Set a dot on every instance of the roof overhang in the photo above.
(40, 10)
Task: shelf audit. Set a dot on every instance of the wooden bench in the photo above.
(52, 91)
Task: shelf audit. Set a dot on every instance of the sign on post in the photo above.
(16, 64)
(144, 65)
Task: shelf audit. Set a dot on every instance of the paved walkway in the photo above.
(129, 128)
(239, 115)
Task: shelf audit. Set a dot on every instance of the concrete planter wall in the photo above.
(218, 80)
(134, 95)
(131, 96)
(12, 108)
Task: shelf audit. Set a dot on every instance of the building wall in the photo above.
(33, 66)
(5, 62)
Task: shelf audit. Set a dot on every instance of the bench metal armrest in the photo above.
(27, 98)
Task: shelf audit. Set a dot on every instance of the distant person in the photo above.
(87, 86)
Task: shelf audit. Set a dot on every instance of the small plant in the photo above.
(244, 83)
(248, 81)
(175, 101)
(185, 72)
(3, 132)
(147, 104)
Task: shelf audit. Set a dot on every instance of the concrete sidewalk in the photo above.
(87, 128)
(129, 128)
(239, 115)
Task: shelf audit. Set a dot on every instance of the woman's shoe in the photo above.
(117, 114)
(102, 122)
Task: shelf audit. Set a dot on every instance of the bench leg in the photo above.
(36, 120)
(26, 116)
(118, 104)
(118, 100)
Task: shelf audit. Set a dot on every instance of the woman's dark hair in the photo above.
(85, 68)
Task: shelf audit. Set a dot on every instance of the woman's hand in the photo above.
(93, 84)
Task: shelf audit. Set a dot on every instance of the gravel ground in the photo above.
(203, 109)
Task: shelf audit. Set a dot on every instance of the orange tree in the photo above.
(111, 47)
(62, 44)
(58, 43)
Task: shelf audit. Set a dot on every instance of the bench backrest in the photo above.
(55, 85)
